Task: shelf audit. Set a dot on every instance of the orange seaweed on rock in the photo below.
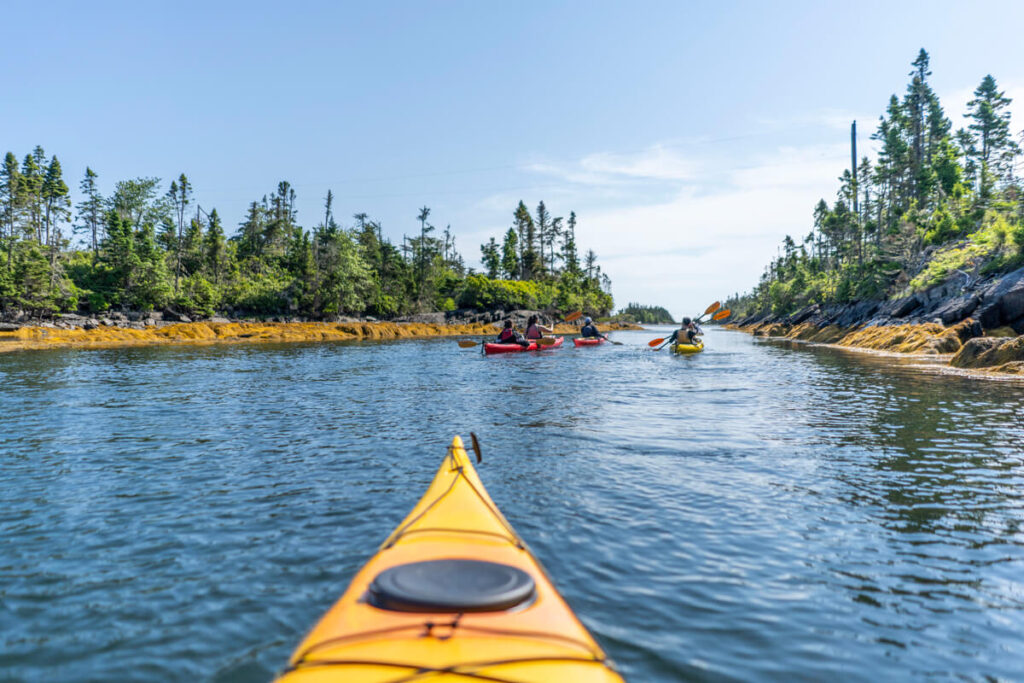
(911, 338)
(992, 354)
(239, 332)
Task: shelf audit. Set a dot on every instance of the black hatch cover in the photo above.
(451, 586)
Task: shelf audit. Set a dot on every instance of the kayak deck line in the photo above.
(468, 670)
(428, 627)
(460, 473)
(418, 609)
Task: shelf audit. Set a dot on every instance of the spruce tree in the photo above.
(10, 202)
(90, 211)
(180, 194)
(31, 188)
(214, 247)
(57, 203)
(510, 255)
(994, 149)
(491, 258)
(527, 233)
(569, 254)
(543, 223)
(421, 263)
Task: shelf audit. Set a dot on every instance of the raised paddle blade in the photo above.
(466, 344)
(476, 447)
(713, 307)
(545, 341)
(655, 342)
(721, 315)
(575, 315)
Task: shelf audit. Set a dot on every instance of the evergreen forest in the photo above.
(150, 246)
(934, 203)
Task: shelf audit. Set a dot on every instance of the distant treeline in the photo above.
(145, 247)
(934, 203)
(647, 315)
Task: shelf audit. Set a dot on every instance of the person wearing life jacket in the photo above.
(686, 334)
(589, 329)
(535, 330)
(509, 335)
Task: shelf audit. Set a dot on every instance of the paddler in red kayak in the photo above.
(509, 335)
(589, 329)
(535, 330)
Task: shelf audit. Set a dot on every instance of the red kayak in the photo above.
(516, 348)
(588, 341)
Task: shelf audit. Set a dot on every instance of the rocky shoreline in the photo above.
(135, 329)
(977, 324)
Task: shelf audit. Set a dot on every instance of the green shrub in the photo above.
(198, 295)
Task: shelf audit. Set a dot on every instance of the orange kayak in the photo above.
(454, 594)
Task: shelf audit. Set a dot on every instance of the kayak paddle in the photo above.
(710, 309)
(574, 316)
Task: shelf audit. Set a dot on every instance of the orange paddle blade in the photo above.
(713, 307)
(655, 342)
(466, 344)
(721, 315)
(575, 315)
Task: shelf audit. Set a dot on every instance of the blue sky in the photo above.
(689, 138)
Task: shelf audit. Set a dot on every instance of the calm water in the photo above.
(758, 511)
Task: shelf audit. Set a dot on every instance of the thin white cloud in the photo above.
(608, 168)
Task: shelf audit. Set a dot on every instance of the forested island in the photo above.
(646, 315)
(922, 250)
(152, 247)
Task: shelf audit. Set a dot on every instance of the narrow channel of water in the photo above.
(761, 510)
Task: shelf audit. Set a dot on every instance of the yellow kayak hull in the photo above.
(688, 348)
(540, 640)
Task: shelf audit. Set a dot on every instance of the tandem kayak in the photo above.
(587, 341)
(492, 347)
(688, 348)
(453, 595)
